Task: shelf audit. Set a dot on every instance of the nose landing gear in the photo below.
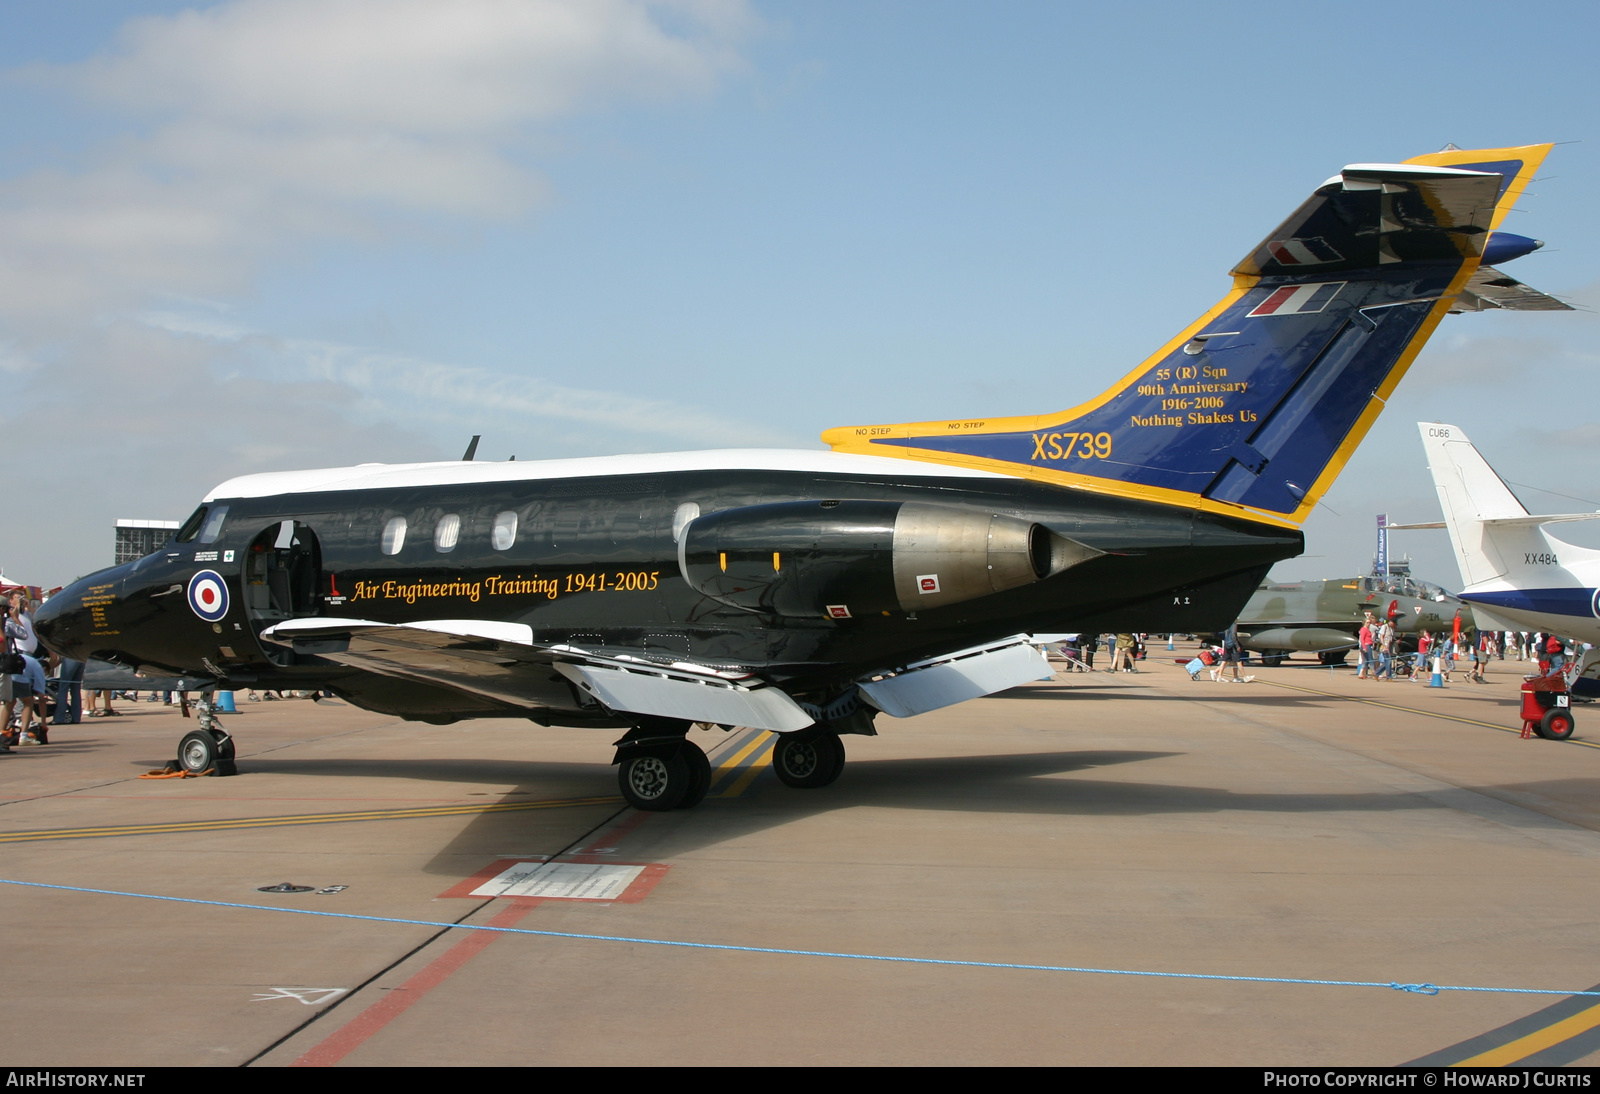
(208, 748)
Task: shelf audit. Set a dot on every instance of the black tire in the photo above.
(1333, 657)
(655, 784)
(1556, 725)
(198, 752)
(699, 774)
(1271, 660)
(806, 761)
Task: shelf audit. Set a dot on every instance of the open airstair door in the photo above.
(282, 578)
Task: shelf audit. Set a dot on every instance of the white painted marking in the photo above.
(562, 880)
(311, 997)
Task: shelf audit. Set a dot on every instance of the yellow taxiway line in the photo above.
(297, 819)
(1537, 1041)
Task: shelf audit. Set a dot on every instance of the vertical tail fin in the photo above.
(1256, 406)
(1470, 493)
(1495, 537)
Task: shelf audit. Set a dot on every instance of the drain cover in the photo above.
(284, 887)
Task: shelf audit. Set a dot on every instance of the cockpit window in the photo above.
(213, 525)
(191, 526)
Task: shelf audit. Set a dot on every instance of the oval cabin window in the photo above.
(394, 536)
(446, 533)
(505, 531)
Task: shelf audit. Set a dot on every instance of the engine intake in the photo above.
(850, 558)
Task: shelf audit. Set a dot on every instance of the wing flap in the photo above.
(957, 677)
(667, 694)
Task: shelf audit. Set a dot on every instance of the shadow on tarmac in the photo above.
(1034, 783)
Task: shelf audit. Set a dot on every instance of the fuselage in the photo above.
(588, 552)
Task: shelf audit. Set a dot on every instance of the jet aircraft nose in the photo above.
(73, 622)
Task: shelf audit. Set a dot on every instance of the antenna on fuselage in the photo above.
(472, 449)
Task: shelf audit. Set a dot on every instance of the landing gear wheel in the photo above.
(699, 774)
(655, 784)
(808, 760)
(1556, 725)
(1271, 660)
(1333, 657)
(199, 751)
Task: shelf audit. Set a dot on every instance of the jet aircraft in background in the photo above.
(1324, 617)
(807, 592)
(1514, 571)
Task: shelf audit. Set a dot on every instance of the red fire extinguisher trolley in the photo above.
(1547, 708)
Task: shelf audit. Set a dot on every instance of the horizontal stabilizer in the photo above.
(1535, 519)
(1488, 288)
(957, 677)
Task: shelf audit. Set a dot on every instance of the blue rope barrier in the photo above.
(1416, 989)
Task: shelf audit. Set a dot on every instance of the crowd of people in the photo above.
(1125, 649)
(1381, 658)
(27, 698)
(1379, 651)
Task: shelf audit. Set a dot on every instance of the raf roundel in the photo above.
(208, 596)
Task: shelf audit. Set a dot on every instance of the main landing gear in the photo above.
(208, 748)
(808, 759)
(659, 769)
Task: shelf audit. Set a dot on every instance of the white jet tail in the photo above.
(1492, 532)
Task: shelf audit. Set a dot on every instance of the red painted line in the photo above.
(363, 1026)
(615, 835)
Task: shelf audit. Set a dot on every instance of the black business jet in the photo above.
(806, 592)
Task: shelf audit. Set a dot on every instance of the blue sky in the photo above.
(285, 233)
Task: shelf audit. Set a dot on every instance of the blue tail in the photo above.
(1259, 403)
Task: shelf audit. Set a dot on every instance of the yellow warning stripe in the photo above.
(297, 819)
(752, 757)
(1537, 1041)
(1414, 710)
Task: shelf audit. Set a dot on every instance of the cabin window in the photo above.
(212, 530)
(446, 533)
(394, 536)
(505, 530)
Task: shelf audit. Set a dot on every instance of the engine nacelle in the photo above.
(842, 559)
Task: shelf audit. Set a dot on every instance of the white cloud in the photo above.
(261, 124)
(249, 130)
(418, 67)
(397, 387)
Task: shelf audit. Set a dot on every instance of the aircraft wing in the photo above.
(1489, 288)
(500, 661)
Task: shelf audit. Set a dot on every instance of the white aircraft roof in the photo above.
(383, 476)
